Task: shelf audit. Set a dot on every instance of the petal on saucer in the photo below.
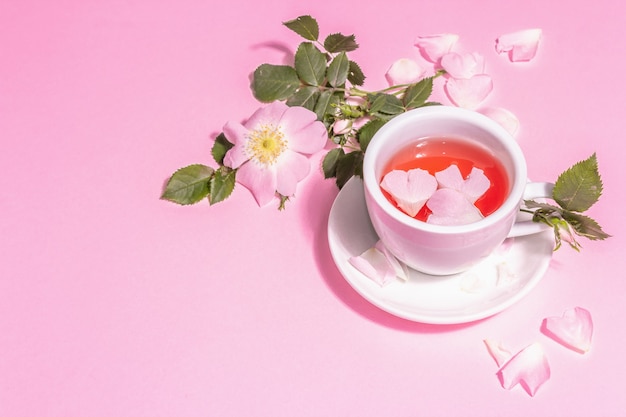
(409, 189)
(520, 46)
(573, 329)
(529, 368)
(498, 352)
(400, 268)
(374, 265)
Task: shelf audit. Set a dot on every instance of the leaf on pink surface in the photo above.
(409, 189)
(464, 65)
(573, 329)
(451, 207)
(469, 93)
(404, 71)
(503, 117)
(433, 47)
(498, 352)
(520, 46)
(529, 368)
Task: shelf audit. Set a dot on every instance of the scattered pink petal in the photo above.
(529, 368)
(521, 45)
(374, 265)
(573, 329)
(463, 65)
(505, 273)
(435, 46)
(404, 71)
(503, 117)
(451, 207)
(400, 269)
(472, 188)
(469, 93)
(498, 352)
(409, 189)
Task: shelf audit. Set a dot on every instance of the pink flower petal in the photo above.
(498, 352)
(400, 269)
(463, 65)
(435, 46)
(451, 207)
(529, 368)
(521, 45)
(261, 181)
(293, 168)
(450, 178)
(269, 114)
(404, 71)
(409, 189)
(374, 264)
(237, 135)
(304, 133)
(475, 185)
(503, 117)
(469, 93)
(573, 329)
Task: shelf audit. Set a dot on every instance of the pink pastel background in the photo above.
(115, 303)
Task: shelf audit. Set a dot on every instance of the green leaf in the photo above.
(220, 147)
(367, 132)
(417, 94)
(305, 26)
(221, 184)
(305, 97)
(355, 74)
(329, 164)
(310, 64)
(326, 104)
(387, 104)
(338, 70)
(585, 226)
(274, 82)
(188, 185)
(579, 187)
(337, 42)
(349, 165)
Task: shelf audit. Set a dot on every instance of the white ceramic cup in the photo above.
(442, 249)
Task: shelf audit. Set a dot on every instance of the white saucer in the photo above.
(490, 287)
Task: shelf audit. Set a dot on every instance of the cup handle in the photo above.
(528, 227)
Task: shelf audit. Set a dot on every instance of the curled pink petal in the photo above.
(463, 65)
(498, 352)
(433, 47)
(469, 93)
(475, 185)
(374, 265)
(520, 46)
(451, 207)
(409, 189)
(529, 368)
(400, 269)
(503, 117)
(573, 329)
(404, 71)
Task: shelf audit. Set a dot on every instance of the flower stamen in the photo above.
(265, 144)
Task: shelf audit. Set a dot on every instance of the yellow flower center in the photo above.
(265, 144)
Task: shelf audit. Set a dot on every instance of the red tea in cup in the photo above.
(435, 154)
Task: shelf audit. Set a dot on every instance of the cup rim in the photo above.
(510, 205)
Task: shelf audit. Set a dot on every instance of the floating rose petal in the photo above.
(374, 265)
(400, 269)
(472, 188)
(573, 330)
(409, 189)
(435, 46)
(529, 368)
(498, 352)
(463, 65)
(404, 71)
(503, 117)
(521, 45)
(469, 93)
(451, 207)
